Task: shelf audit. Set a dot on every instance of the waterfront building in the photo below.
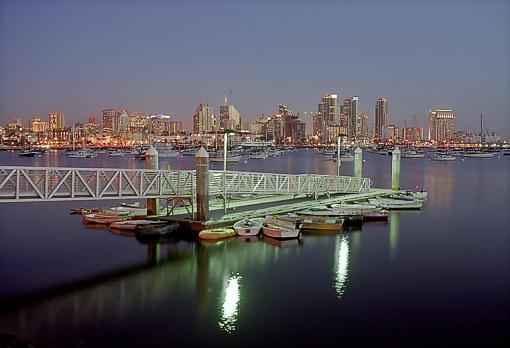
(294, 130)
(39, 126)
(159, 125)
(412, 134)
(329, 109)
(391, 132)
(318, 126)
(108, 114)
(381, 118)
(203, 120)
(56, 120)
(230, 118)
(138, 122)
(441, 125)
(352, 120)
(175, 127)
(120, 122)
(363, 128)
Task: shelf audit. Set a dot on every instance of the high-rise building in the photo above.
(203, 119)
(363, 130)
(175, 127)
(138, 122)
(329, 109)
(318, 125)
(381, 118)
(230, 118)
(120, 122)
(108, 114)
(351, 108)
(56, 120)
(441, 125)
(160, 125)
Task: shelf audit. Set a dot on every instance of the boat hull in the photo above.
(216, 233)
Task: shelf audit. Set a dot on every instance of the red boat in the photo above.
(375, 215)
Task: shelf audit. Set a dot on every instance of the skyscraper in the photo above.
(352, 108)
(329, 110)
(381, 118)
(107, 118)
(56, 120)
(441, 125)
(203, 119)
(120, 122)
(230, 118)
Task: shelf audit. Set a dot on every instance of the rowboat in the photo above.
(248, 227)
(355, 207)
(281, 243)
(350, 216)
(394, 204)
(146, 234)
(216, 233)
(104, 218)
(280, 229)
(135, 211)
(311, 222)
(136, 224)
(375, 215)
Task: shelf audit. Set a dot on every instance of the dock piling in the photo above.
(395, 169)
(358, 162)
(202, 175)
(151, 162)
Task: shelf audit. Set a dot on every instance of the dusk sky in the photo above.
(159, 57)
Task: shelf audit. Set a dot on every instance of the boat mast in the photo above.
(481, 128)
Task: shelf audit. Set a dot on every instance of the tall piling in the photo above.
(358, 163)
(202, 184)
(395, 169)
(151, 162)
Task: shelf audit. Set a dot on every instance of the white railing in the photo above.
(42, 183)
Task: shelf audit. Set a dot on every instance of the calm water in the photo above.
(439, 277)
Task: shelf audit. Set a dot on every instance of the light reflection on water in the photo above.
(341, 264)
(229, 309)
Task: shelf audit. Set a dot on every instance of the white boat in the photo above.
(412, 154)
(117, 153)
(443, 157)
(344, 158)
(83, 153)
(312, 222)
(262, 155)
(229, 158)
(248, 227)
(135, 211)
(168, 153)
(478, 154)
(280, 229)
(395, 204)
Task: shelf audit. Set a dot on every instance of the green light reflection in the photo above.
(341, 264)
(230, 306)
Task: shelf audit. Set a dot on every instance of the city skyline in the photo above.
(60, 57)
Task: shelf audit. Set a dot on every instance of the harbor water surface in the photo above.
(437, 277)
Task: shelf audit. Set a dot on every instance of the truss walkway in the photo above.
(35, 184)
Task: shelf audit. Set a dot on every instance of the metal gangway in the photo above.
(36, 184)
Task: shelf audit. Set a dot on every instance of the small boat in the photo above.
(229, 158)
(311, 222)
(355, 207)
(168, 153)
(442, 157)
(116, 153)
(104, 218)
(132, 205)
(375, 215)
(146, 234)
(135, 211)
(281, 243)
(136, 224)
(216, 233)
(394, 204)
(478, 154)
(248, 227)
(29, 153)
(280, 229)
(412, 154)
